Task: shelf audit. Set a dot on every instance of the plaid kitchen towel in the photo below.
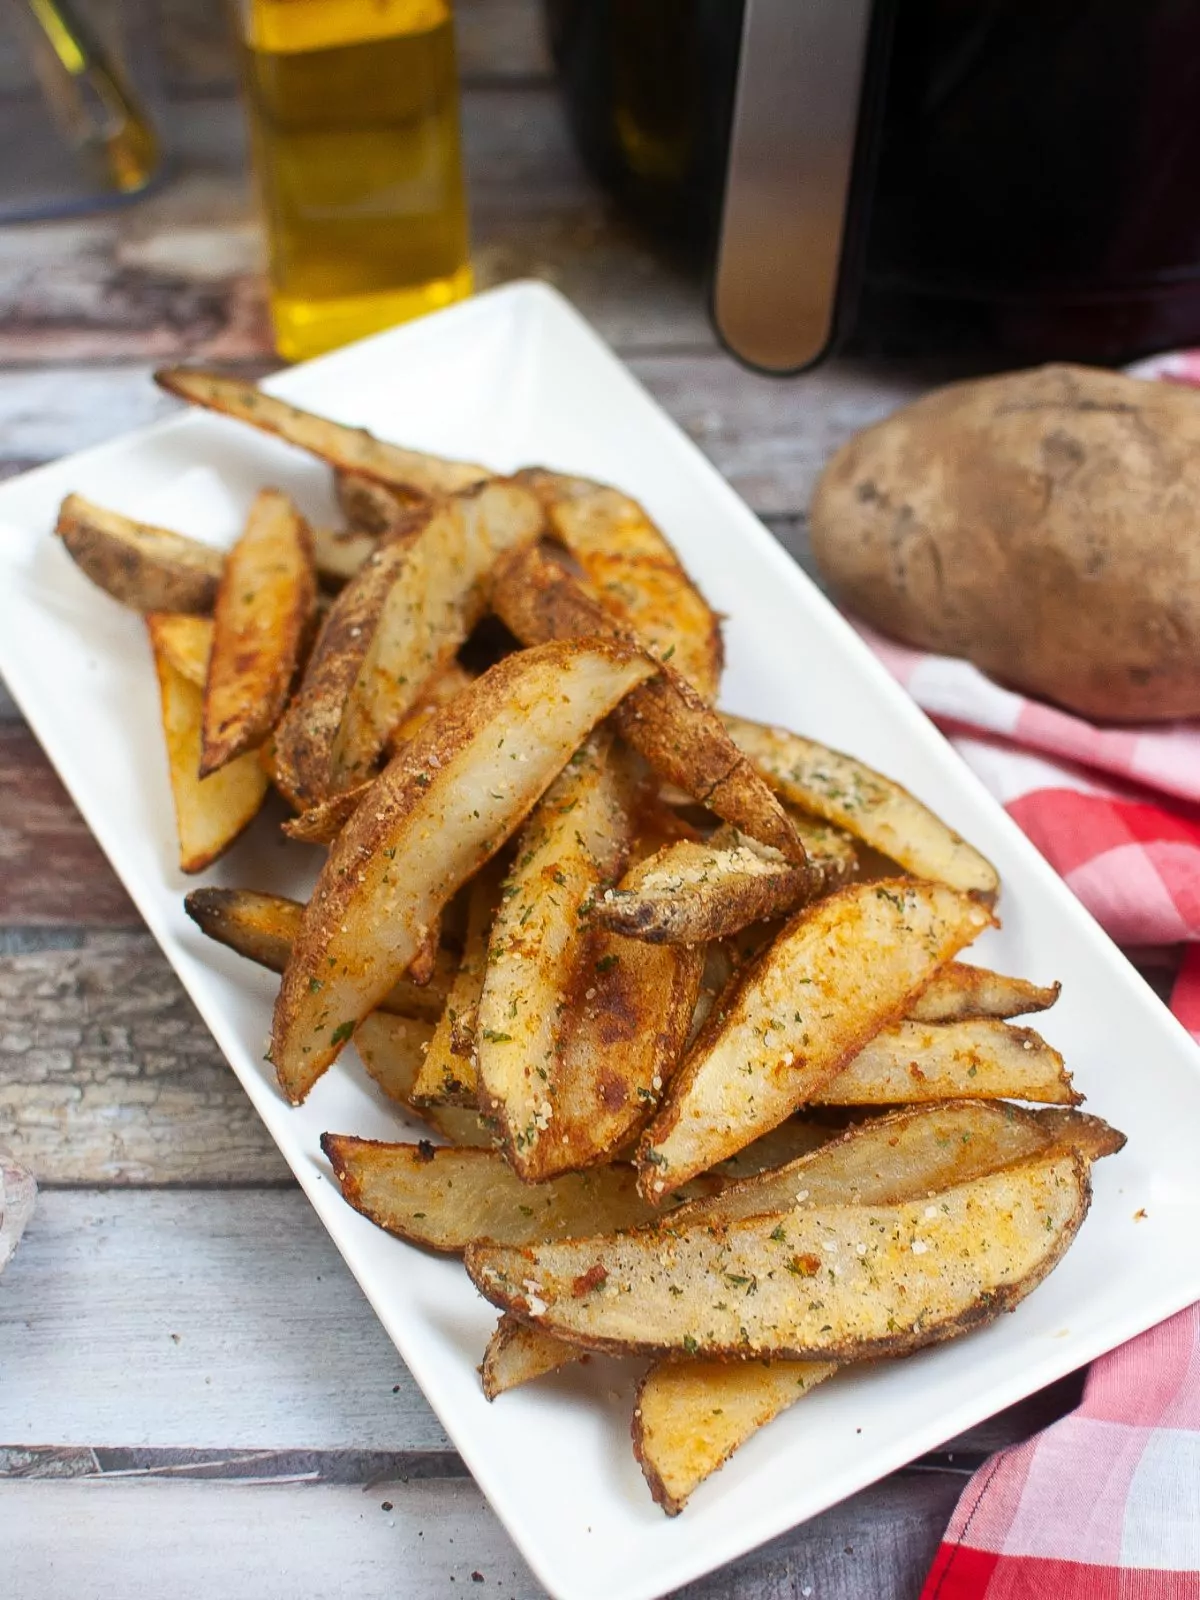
(1105, 1504)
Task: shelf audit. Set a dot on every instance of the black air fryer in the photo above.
(1018, 176)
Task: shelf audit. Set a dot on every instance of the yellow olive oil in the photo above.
(354, 129)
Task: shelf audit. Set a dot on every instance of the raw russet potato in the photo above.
(1043, 524)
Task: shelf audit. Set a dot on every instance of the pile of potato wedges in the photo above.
(678, 993)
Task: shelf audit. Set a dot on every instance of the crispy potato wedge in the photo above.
(624, 1030)
(445, 1198)
(148, 568)
(392, 1048)
(866, 804)
(444, 805)
(185, 642)
(436, 599)
(263, 928)
(961, 991)
(211, 812)
(667, 720)
(338, 553)
(980, 1059)
(348, 449)
(306, 736)
(574, 842)
(691, 892)
(908, 1275)
(448, 1075)
(906, 1155)
(517, 1353)
(690, 1416)
(264, 608)
(841, 971)
(635, 571)
(369, 507)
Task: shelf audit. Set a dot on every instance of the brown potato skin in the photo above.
(1042, 524)
(305, 737)
(697, 913)
(665, 719)
(147, 568)
(368, 506)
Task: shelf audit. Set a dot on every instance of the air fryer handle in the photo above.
(792, 162)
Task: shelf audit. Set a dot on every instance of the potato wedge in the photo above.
(980, 1059)
(866, 804)
(211, 812)
(444, 805)
(348, 449)
(392, 1048)
(623, 1036)
(672, 726)
(690, 1416)
(148, 568)
(369, 507)
(841, 971)
(338, 553)
(907, 1275)
(443, 1198)
(691, 892)
(637, 574)
(437, 598)
(263, 928)
(306, 737)
(907, 1155)
(185, 641)
(447, 1075)
(517, 1353)
(264, 608)
(961, 991)
(574, 842)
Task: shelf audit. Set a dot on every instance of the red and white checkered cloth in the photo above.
(1105, 1504)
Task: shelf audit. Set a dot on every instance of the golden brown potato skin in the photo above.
(1043, 524)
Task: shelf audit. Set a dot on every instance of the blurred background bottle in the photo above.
(353, 109)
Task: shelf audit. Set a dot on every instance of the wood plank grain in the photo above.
(51, 869)
(181, 272)
(215, 1321)
(198, 1320)
(139, 1541)
(107, 1073)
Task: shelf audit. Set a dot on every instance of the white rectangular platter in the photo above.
(511, 378)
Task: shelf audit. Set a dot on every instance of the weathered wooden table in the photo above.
(195, 1399)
